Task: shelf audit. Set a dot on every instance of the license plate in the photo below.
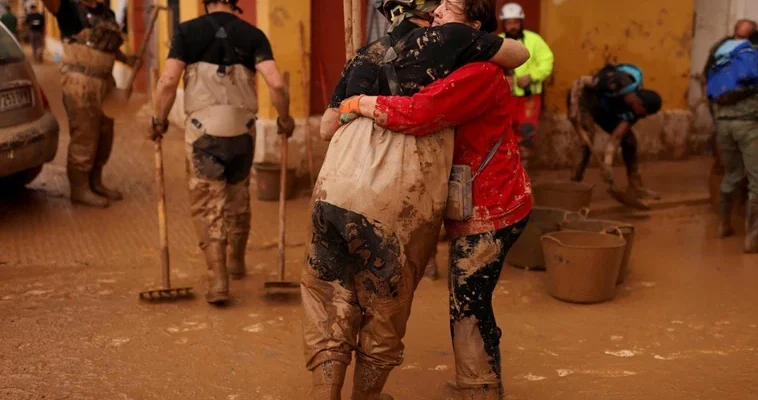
(15, 99)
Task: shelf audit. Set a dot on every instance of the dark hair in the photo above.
(650, 100)
(482, 11)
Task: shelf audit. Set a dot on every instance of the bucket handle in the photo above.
(547, 236)
(581, 215)
(615, 230)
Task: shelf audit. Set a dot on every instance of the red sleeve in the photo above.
(461, 96)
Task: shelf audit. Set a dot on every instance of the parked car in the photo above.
(28, 129)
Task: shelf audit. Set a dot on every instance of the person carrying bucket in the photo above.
(614, 100)
(379, 200)
(219, 53)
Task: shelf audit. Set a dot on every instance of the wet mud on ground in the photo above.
(683, 326)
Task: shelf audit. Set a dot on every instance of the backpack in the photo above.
(735, 69)
(615, 80)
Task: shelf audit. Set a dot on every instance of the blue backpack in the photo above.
(736, 68)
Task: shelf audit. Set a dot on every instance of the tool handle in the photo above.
(162, 220)
(282, 206)
(142, 50)
(306, 84)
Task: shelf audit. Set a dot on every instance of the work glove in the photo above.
(157, 129)
(350, 109)
(285, 126)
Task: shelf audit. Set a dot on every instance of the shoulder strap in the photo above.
(389, 68)
(489, 157)
(228, 52)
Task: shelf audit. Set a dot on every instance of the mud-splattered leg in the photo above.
(475, 265)
(385, 286)
(331, 315)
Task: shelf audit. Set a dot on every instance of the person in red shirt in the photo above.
(475, 99)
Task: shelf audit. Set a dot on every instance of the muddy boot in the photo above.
(96, 183)
(751, 226)
(726, 203)
(80, 190)
(217, 278)
(483, 393)
(369, 381)
(328, 379)
(639, 191)
(236, 257)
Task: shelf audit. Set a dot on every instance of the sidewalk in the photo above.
(680, 183)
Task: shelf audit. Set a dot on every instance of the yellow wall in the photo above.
(653, 34)
(280, 21)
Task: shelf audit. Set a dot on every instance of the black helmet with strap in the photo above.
(232, 3)
(398, 10)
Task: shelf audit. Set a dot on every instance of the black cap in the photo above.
(651, 100)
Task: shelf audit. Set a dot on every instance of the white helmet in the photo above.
(512, 11)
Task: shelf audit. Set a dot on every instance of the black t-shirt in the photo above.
(340, 92)
(423, 56)
(195, 41)
(35, 21)
(609, 112)
(71, 21)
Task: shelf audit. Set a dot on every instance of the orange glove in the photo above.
(351, 105)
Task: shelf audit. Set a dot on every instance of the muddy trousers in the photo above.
(218, 170)
(357, 293)
(628, 153)
(475, 265)
(738, 146)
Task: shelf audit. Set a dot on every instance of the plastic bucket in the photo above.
(583, 267)
(579, 222)
(527, 252)
(571, 196)
(268, 182)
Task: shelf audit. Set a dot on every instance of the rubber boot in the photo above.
(328, 379)
(96, 183)
(726, 204)
(217, 277)
(369, 381)
(236, 257)
(482, 393)
(751, 226)
(638, 190)
(80, 190)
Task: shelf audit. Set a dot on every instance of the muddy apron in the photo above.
(380, 197)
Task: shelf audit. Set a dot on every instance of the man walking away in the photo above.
(219, 53)
(732, 83)
(527, 79)
(35, 22)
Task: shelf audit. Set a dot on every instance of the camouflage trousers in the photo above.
(91, 131)
(738, 146)
(356, 290)
(218, 170)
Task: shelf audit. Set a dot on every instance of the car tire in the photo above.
(22, 178)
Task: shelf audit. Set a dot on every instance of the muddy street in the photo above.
(683, 325)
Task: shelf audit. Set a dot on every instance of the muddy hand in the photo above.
(157, 129)
(285, 126)
(351, 105)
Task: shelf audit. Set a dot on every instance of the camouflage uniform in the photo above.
(737, 139)
(87, 77)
